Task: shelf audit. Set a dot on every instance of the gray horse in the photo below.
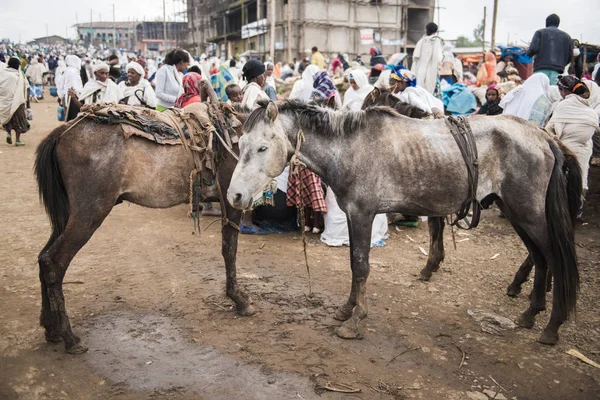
(378, 161)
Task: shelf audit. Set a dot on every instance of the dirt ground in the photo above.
(147, 297)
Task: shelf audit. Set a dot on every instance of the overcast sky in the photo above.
(27, 19)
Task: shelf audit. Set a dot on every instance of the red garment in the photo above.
(191, 88)
(195, 99)
(306, 191)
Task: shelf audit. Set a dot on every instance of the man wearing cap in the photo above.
(552, 49)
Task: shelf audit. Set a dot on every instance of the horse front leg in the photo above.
(229, 250)
(355, 309)
(436, 247)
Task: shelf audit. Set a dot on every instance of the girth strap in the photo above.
(461, 131)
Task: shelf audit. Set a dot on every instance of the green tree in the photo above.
(463, 41)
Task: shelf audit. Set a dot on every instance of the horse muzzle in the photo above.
(239, 200)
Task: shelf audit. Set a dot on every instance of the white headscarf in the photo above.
(303, 88)
(136, 67)
(520, 101)
(73, 61)
(353, 99)
(100, 67)
(594, 99)
(109, 91)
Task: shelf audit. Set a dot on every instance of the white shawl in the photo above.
(421, 98)
(353, 99)
(109, 92)
(13, 93)
(520, 101)
(252, 93)
(594, 99)
(149, 96)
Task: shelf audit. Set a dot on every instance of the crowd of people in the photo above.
(437, 83)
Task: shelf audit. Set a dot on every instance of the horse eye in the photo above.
(264, 148)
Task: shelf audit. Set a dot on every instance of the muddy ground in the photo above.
(147, 297)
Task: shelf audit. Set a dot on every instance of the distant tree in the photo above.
(478, 33)
(463, 41)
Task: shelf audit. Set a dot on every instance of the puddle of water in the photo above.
(148, 352)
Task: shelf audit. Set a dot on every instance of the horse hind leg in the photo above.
(355, 309)
(521, 277)
(53, 264)
(436, 247)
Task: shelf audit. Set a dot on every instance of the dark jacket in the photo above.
(552, 49)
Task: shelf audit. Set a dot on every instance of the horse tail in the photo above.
(50, 182)
(560, 228)
(574, 178)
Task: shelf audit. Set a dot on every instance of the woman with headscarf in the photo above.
(404, 86)
(487, 71)
(136, 91)
(324, 88)
(191, 90)
(254, 75)
(530, 101)
(377, 64)
(493, 96)
(169, 78)
(303, 88)
(574, 122)
(594, 97)
(71, 79)
(359, 89)
(13, 100)
(97, 90)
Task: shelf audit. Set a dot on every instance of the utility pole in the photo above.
(289, 29)
(493, 44)
(164, 26)
(114, 29)
(91, 29)
(46, 30)
(483, 33)
(273, 5)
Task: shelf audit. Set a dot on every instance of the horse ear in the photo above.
(272, 111)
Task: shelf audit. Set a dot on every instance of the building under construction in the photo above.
(243, 27)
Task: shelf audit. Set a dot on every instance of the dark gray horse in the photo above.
(378, 161)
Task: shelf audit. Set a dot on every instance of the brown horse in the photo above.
(134, 169)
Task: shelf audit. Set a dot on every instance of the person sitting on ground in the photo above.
(359, 89)
(13, 100)
(404, 86)
(98, 90)
(254, 75)
(234, 93)
(493, 96)
(574, 122)
(136, 91)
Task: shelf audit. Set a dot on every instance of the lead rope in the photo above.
(296, 164)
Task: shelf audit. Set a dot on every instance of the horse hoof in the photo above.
(525, 322)
(53, 337)
(247, 311)
(549, 338)
(345, 332)
(342, 314)
(513, 290)
(425, 276)
(77, 349)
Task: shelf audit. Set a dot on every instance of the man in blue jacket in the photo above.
(552, 48)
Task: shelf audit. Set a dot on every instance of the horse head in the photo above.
(263, 155)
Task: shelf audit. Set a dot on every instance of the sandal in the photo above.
(19, 144)
(8, 138)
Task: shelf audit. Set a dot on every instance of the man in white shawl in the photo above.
(359, 89)
(137, 91)
(574, 122)
(100, 89)
(404, 86)
(427, 57)
(13, 98)
(59, 71)
(303, 88)
(530, 101)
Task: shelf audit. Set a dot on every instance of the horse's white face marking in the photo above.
(263, 156)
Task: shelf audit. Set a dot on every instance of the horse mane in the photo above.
(324, 121)
(387, 98)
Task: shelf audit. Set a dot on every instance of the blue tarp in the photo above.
(519, 54)
(459, 100)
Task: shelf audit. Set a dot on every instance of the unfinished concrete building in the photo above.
(230, 28)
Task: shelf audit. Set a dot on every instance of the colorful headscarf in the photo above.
(401, 74)
(323, 86)
(191, 88)
(497, 88)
